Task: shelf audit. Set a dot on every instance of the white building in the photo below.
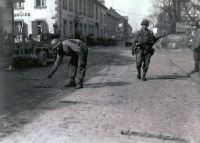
(34, 17)
(63, 17)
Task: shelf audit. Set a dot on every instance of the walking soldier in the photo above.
(144, 42)
(196, 47)
(78, 52)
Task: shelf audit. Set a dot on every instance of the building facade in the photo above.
(83, 18)
(117, 25)
(68, 18)
(113, 23)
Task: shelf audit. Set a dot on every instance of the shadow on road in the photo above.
(165, 77)
(106, 84)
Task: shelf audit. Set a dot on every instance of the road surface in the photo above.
(113, 107)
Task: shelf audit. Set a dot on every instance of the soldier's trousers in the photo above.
(143, 61)
(78, 62)
(196, 57)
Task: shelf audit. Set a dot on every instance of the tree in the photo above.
(191, 9)
(177, 11)
(173, 10)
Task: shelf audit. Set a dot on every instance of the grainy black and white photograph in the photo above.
(99, 71)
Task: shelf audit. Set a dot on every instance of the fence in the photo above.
(174, 41)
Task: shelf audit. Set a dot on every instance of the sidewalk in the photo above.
(183, 58)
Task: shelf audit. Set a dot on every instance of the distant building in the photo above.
(117, 25)
(125, 29)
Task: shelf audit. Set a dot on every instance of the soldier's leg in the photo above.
(196, 62)
(82, 64)
(147, 59)
(139, 60)
(72, 68)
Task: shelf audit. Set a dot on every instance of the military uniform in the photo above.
(196, 50)
(78, 52)
(144, 51)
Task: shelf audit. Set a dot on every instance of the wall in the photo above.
(6, 32)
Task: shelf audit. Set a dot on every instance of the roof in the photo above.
(100, 4)
(113, 13)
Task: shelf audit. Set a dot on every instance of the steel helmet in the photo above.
(145, 22)
(54, 44)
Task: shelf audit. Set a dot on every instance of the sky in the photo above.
(134, 9)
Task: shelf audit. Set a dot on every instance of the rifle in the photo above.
(152, 39)
(135, 48)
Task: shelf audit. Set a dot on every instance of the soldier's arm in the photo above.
(197, 40)
(56, 64)
(153, 37)
(136, 40)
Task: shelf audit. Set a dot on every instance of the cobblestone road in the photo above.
(114, 107)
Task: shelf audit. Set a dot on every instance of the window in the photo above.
(80, 6)
(65, 4)
(40, 3)
(81, 28)
(19, 30)
(76, 6)
(39, 27)
(88, 8)
(71, 5)
(97, 15)
(84, 3)
(101, 18)
(19, 5)
(85, 29)
(71, 30)
(92, 29)
(92, 6)
(18, 27)
(65, 28)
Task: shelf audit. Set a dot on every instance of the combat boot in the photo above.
(79, 84)
(144, 77)
(72, 83)
(194, 70)
(139, 74)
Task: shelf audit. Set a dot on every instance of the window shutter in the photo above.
(45, 27)
(34, 28)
